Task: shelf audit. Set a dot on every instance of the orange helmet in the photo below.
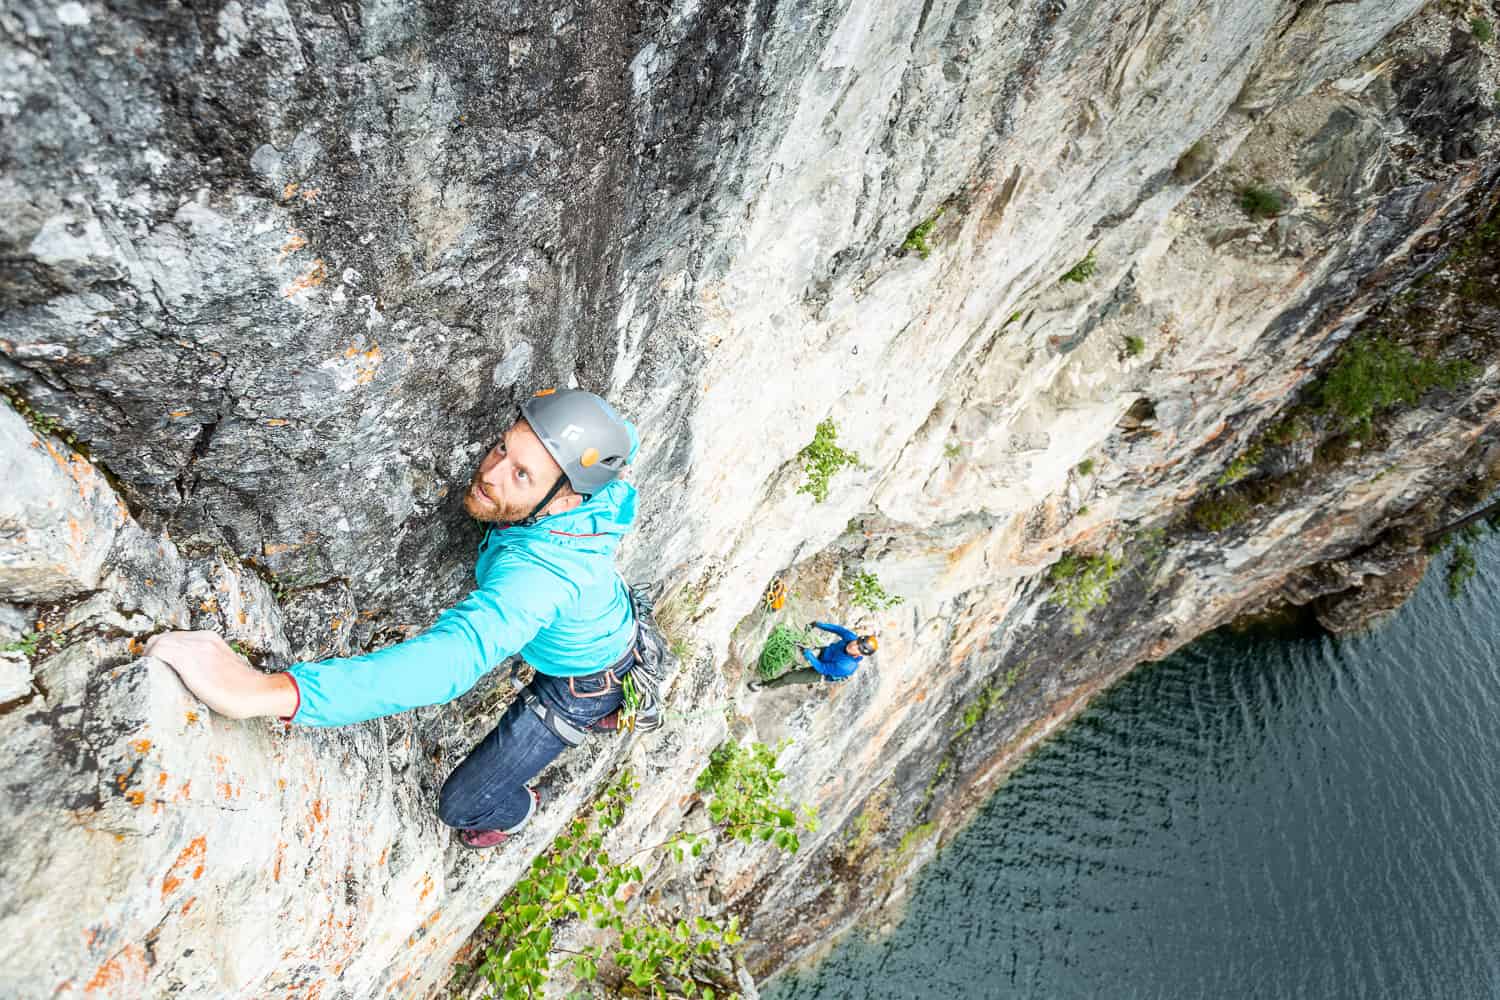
(868, 644)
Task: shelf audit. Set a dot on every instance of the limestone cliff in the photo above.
(275, 272)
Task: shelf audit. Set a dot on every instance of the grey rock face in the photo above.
(58, 517)
(287, 269)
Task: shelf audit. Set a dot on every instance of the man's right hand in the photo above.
(221, 678)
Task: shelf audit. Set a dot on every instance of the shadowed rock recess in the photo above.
(275, 273)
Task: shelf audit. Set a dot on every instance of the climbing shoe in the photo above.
(755, 684)
(478, 840)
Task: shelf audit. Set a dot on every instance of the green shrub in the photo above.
(1081, 583)
(1461, 569)
(1224, 510)
(1086, 467)
(916, 240)
(1242, 465)
(1260, 202)
(952, 450)
(821, 459)
(1374, 373)
(1286, 430)
(865, 591)
(780, 650)
(745, 802)
(991, 696)
(1481, 29)
(575, 878)
(1083, 270)
(1134, 346)
(26, 645)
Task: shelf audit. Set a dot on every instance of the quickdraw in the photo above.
(775, 596)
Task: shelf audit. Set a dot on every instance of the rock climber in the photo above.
(836, 661)
(547, 588)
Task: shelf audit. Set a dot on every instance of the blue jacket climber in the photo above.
(834, 660)
(550, 493)
(548, 591)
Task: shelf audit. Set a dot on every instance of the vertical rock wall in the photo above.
(280, 271)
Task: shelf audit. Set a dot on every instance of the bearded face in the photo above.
(513, 478)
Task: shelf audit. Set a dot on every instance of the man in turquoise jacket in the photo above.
(547, 589)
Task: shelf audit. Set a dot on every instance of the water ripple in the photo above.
(1278, 818)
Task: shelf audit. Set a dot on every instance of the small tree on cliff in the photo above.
(657, 954)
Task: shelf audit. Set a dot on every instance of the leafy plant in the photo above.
(1242, 465)
(39, 422)
(1375, 373)
(1134, 345)
(1221, 511)
(1086, 467)
(575, 878)
(780, 650)
(821, 459)
(1260, 202)
(1083, 270)
(916, 240)
(27, 644)
(952, 450)
(991, 696)
(746, 803)
(1081, 583)
(866, 591)
(1461, 569)
(1481, 29)
(1287, 430)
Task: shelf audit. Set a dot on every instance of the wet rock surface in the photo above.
(282, 271)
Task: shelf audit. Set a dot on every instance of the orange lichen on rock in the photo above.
(277, 422)
(310, 279)
(289, 191)
(140, 746)
(135, 646)
(294, 242)
(369, 361)
(136, 797)
(189, 864)
(127, 967)
(276, 868)
(192, 717)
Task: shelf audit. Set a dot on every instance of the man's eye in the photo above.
(520, 474)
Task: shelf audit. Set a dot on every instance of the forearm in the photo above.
(221, 679)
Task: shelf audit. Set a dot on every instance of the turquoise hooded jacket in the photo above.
(548, 591)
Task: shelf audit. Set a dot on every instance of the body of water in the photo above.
(1253, 817)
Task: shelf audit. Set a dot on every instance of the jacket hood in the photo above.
(596, 525)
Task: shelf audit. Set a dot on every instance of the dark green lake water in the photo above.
(1253, 817)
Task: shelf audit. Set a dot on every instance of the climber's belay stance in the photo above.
(836, 661)
(547, 589)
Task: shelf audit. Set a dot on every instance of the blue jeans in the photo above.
(488, 790)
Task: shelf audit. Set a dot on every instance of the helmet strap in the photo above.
(531, 518)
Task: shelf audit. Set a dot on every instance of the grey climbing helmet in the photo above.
(583, 434)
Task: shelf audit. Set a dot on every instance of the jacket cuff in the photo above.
(295, 687)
